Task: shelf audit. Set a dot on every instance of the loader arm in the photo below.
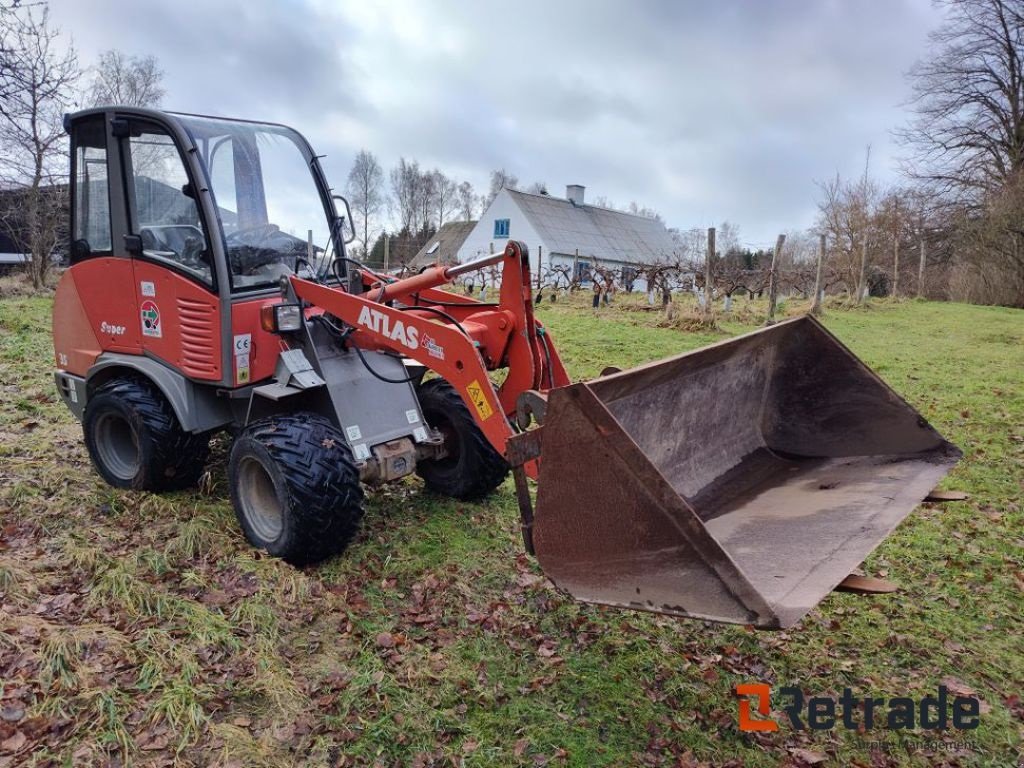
(457, 337)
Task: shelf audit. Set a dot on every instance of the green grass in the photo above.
(145, 628)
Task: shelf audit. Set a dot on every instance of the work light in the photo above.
(281, 318)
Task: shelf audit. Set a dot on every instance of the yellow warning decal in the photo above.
(476, 394)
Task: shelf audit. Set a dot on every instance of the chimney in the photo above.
(575, 193)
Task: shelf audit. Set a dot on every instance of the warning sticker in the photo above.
(150, 314)
(242, 345)
(476, 394)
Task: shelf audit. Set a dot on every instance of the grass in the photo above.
(144, 629)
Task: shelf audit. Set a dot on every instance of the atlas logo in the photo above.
(396, 330)
(821, 713)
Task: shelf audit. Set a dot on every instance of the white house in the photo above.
(567, 231)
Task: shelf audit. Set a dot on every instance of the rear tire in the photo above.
(295, 487)
(472, 467)
(135, 440)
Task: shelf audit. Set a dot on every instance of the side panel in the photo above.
(75, 342)
(178, 321)
(105, 287)
(253, 350)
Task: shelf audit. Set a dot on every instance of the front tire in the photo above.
(135, 441)
(472, 467)
(295, 487)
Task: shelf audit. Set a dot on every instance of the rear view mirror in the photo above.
(347, 217)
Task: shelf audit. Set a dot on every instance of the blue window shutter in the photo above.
(501, 227)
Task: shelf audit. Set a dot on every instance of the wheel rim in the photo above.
(260, 502)
(118, 445)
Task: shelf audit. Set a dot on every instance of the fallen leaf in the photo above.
(13, 743)
(385, 640)
(808, 757)
(958, 687)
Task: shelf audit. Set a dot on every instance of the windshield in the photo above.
(267, 198)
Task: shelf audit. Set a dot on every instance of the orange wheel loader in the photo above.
(210, 290)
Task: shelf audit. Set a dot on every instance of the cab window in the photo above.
(164, 212)
(91, 190)
(270, 207)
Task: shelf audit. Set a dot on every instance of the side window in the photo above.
(501, 228)
(164, 210)
(91, 192)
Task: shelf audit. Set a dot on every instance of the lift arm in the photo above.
(459, 338)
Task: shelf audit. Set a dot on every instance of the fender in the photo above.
(197, 406)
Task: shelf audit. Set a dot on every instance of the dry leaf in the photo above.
(13, 743)
(808, 757)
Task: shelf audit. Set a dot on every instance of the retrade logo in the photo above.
(822, 713)
(762, 693)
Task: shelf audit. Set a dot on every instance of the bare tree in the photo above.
(966, 144)
(426, 197)
(968, 134)
(467, 201)
(500, 179)
(642, 210)
(538, 188)
(728, 238)
(847, 216)
(446, 197)
(366, 194)
(405, 192)
(133, 81)
(38, 77)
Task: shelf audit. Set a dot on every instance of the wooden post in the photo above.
(540, 264)
(896, 249)
(816, 302)
(773, 279)
(576, 268)
(387, 242)
(862, 280)
(920, 272)
(309, 247)
(708, 292)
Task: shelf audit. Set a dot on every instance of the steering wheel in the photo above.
(252, 236)
(194, 253)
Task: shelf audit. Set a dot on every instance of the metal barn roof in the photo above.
(597, 232)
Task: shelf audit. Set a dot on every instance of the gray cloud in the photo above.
(704, 111)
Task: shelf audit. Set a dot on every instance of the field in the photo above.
(138, 629)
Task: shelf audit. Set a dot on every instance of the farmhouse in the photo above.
(568, 233)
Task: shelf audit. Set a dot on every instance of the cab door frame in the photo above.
(209, 218)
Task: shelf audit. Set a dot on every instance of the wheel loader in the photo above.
(210, 290)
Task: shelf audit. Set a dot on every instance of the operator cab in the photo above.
(183, 227)
(269, 211)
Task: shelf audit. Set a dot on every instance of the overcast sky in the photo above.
(704, 111)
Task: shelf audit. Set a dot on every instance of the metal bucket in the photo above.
(739, 483)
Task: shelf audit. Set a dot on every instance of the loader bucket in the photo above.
(739, 483)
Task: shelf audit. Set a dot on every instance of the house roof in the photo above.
(444, 246)
(597, 232)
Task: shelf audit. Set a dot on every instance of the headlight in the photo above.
(281, 318)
